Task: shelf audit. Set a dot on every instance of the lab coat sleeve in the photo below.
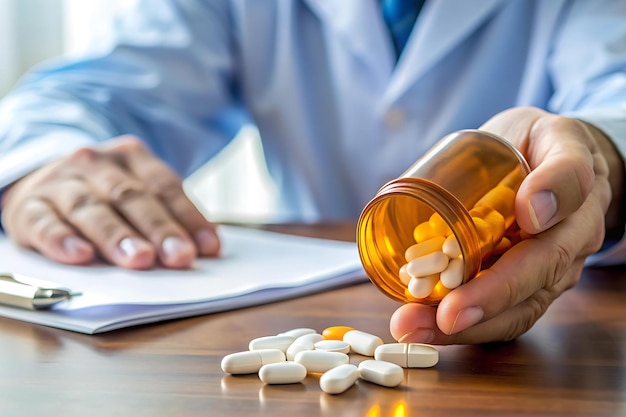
(163, 71)
(588, 69)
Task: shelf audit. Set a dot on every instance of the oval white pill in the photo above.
(271, 342)
(452, 276)
(249, 362)
(361, 342)
(421, 287)
(403, 275)
(333, 346)
(451, 247)
(392, 352)
(302, 343)
(408, 355)
(296, 333)
(433, 263)
(382, 373)
(321, 361)
(339, 379)
(282, 373)
(421, 355)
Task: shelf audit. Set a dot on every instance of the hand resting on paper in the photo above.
(117, 201)
(562, 207)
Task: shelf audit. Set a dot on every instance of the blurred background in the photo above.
(234, 186)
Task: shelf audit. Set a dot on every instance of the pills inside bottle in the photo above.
(433, 228)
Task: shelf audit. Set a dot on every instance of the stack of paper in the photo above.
(256, 267)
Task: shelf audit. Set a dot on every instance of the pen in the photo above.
(17, 293)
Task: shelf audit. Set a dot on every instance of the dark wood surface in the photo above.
(572, 363)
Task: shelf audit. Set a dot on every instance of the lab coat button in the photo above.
(395, 118)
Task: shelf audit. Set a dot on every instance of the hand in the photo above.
(560, 207)
(118, 201)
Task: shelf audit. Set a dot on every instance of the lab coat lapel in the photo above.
(443, 24)
(360, 27)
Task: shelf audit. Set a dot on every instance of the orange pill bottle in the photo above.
(463, 187)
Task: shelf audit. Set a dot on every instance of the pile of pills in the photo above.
(288, 357)
(434, 264)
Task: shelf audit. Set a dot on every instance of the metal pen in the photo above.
(16, 293)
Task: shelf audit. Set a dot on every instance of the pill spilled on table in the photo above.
(288, 357)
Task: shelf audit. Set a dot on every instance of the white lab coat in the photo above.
(338, 117)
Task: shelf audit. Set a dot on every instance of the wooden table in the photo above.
(572, 363)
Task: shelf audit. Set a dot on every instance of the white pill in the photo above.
(302, 343)
(392, 352)
(296, 333)
(339, 379)
(321, 361)
(333, 346)
(424, 248)
(271, 342)
(249, 362)
(451, 247)
(403, 275)
(382, 373)
(408, 355)
(421, 355)
(452, 276)
(282, 373)
(421, 287)
(361, 342)
(433, 263)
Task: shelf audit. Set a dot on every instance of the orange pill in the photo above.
(502, 200)
(438, 225)
(423, 232)
(439, 291)
(336, 332)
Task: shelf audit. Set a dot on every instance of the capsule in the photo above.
(282, 373)
(249, 362)
(336, 332)
(320, 361)
(382, 373)
(339, 379)
(432, 263)
(362, 343)
(408, 355)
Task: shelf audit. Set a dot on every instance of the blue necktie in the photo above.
(400, 16)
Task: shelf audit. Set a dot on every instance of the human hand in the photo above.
(560, 207)
(117, 201)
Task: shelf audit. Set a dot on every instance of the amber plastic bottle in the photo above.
(455, 181)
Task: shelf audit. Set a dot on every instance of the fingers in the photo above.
(560, 205)
(119, 201)
(40, 228)
(100, 223)
(563, 175)
(564, 161)
(163, 183)
(504, 301)
(504, 327)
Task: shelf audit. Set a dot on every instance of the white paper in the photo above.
(255, 267)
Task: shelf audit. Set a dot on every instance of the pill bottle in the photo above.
(461, 193)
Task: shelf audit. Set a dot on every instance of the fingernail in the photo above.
(419, 335)
(75, 246)
(131, 246)
(542, 207)
(207, 241)
(466, 318)
(175, 247)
